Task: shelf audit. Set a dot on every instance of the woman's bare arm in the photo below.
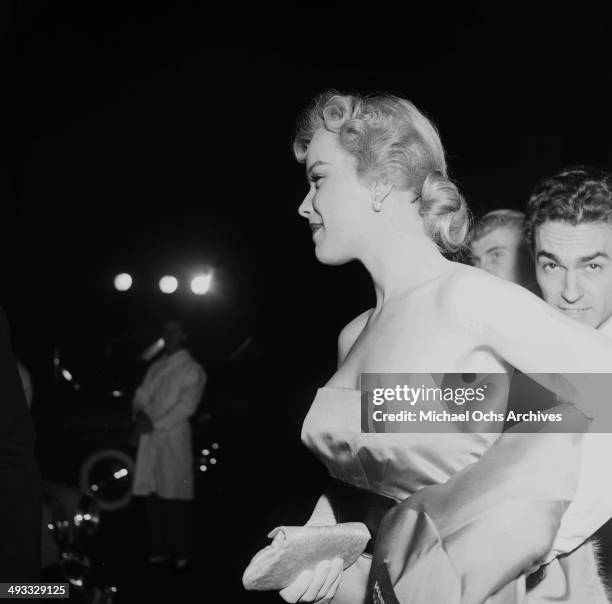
(534, 337)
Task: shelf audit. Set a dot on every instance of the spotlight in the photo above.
(123, 282)
(168, 284)
(201, 284)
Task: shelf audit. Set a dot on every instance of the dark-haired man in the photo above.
(569, 226)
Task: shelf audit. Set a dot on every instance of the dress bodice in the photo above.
(461, 525)
(392, 464)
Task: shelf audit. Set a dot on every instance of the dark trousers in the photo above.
(20, 504)
(169, 523)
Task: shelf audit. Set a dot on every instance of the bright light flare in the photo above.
(120, 473)
(201, 284)
(168, 284)
(123, 282)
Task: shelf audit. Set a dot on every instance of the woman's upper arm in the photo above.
(527, 332)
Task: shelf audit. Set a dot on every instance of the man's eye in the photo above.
(315, 179)
(550, 266)
(594, 267)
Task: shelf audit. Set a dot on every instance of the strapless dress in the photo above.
(472, 522)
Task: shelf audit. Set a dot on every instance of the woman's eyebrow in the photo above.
(315, 165)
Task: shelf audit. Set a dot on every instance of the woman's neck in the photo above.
(401, 264)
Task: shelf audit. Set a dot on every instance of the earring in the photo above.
(377, 206)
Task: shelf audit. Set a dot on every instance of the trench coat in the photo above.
(169, 395)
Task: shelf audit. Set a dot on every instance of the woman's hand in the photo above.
(319, 585)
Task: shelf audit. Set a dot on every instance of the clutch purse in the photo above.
(298, 548)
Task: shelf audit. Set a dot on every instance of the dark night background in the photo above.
(129, 145)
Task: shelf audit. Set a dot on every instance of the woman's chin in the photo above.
(333, 259)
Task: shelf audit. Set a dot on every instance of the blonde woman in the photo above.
(380, 193)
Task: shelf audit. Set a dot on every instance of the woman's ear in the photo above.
(380, 190)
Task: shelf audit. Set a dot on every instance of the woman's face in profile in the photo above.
(338, 204)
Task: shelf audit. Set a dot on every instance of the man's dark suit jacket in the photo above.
(20, 511)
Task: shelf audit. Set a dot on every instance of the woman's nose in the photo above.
(306, 206)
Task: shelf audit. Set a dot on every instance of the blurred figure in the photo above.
(20, 485)
(498, 246)
(26, 382)
(162, 405)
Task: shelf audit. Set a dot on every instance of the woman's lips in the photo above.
(573, 311)
(315, 227)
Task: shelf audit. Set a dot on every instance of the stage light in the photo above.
(67, 375)
(168, 284)
(123, 282)
(201, 284)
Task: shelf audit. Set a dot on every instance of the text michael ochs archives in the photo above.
(392, 403)
(458, 396)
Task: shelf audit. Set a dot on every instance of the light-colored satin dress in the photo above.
(466, 532)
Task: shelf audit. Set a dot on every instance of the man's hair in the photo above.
(175, 322)
(494, 220)
(576, 195)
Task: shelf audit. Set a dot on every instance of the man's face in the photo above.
(174, 337)
(574, 269)
(499, 253)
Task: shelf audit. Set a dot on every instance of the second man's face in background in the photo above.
(501, 253)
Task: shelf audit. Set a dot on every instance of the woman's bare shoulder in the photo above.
(498, 312)
(350, 332)
(472, 290)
